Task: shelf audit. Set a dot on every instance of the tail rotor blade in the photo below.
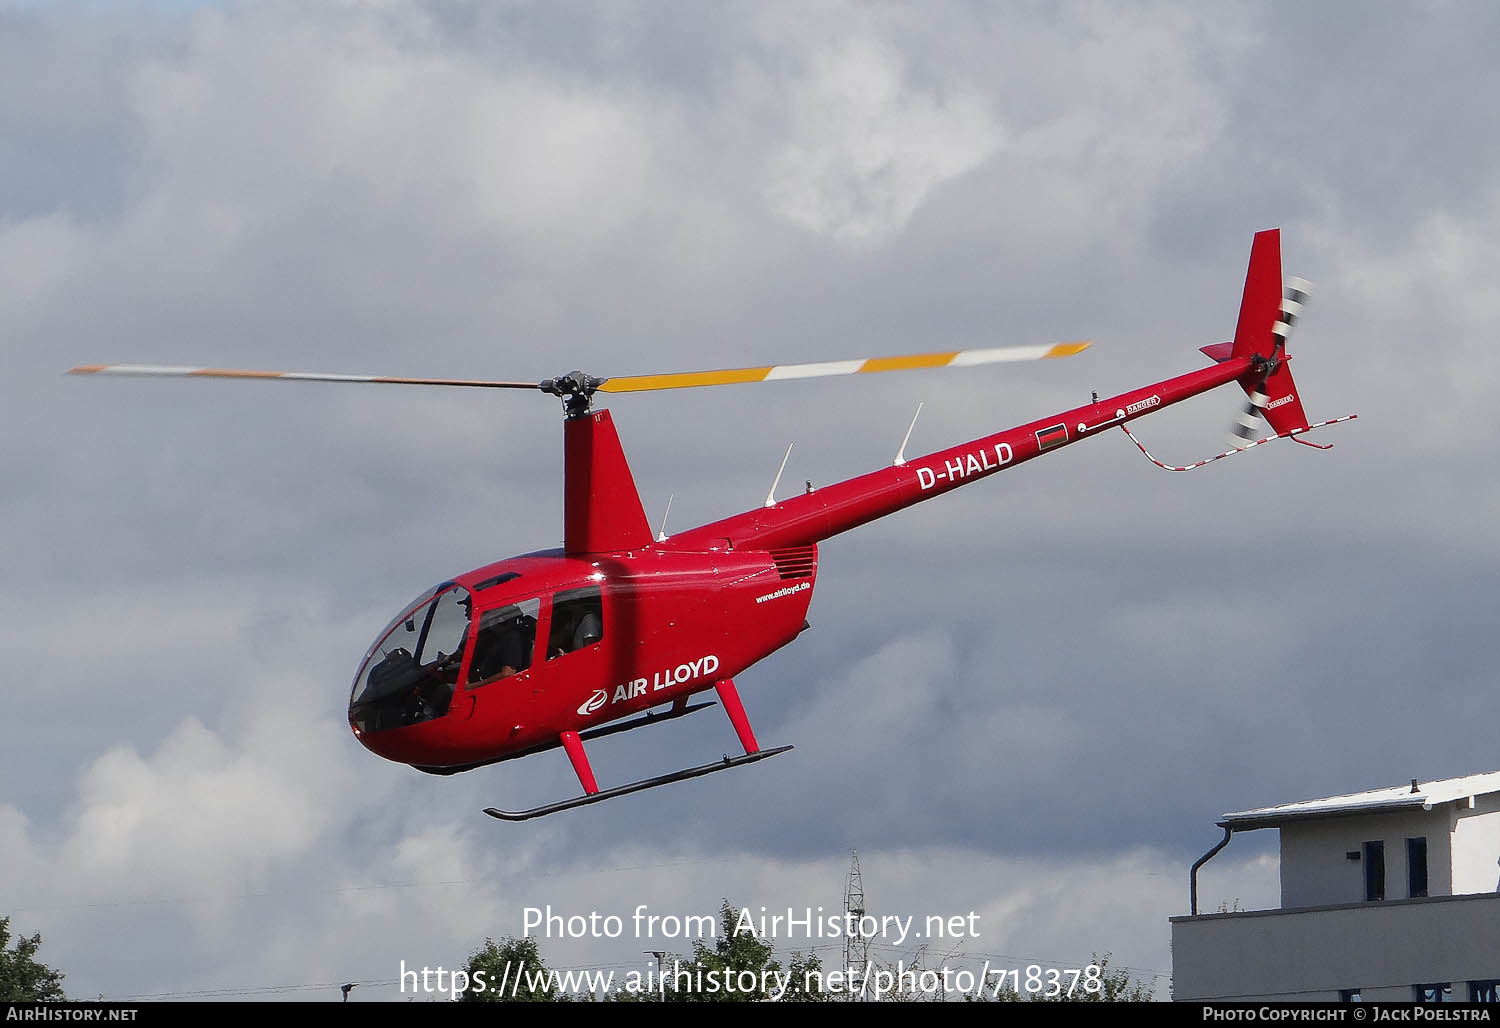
(1248, 426)
(1297, 290)
(1252, 419)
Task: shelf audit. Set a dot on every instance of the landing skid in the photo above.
(572, 742)
(645, 783)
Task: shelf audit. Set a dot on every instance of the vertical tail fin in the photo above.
(1260, 309)
(1266, 316)
(602, 511)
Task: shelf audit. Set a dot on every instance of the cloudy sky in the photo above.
(1030, 699)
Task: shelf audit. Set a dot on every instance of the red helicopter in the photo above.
(555, 647)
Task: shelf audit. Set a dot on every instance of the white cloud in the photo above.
(447, 890)
(201, 814)
(867, 145)
(370, 101)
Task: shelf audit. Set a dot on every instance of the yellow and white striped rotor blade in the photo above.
(773, 372)
(173, 371)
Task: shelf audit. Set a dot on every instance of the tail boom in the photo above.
(812, 517)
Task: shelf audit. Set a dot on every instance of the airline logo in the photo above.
(663, 679)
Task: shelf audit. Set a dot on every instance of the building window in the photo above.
(1350, 996)
(1374, 870)
(1433, 992)
(1485, 992)
(1416, 867)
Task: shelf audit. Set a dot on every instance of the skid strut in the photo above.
(572, 743)
(580, 761)
(730, 697)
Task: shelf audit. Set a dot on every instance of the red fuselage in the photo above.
(674, 623)
(670, 618)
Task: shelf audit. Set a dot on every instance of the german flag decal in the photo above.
(1050, 437)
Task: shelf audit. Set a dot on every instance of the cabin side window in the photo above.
(504, 644)
(577, 621)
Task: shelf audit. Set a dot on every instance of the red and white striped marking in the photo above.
(1239, 449)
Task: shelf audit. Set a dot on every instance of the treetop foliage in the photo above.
(23, 978)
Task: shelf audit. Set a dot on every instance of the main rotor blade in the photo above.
(632, 383)
(299, 376)
(950, 358)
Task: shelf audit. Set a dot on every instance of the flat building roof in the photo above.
(1418, 796)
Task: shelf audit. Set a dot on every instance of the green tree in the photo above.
(731, 956)
(23, 978)
(1118, 986)
(500, 963)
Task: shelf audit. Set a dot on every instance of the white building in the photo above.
(1385, 895)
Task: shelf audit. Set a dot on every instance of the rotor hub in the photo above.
(576, 389)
